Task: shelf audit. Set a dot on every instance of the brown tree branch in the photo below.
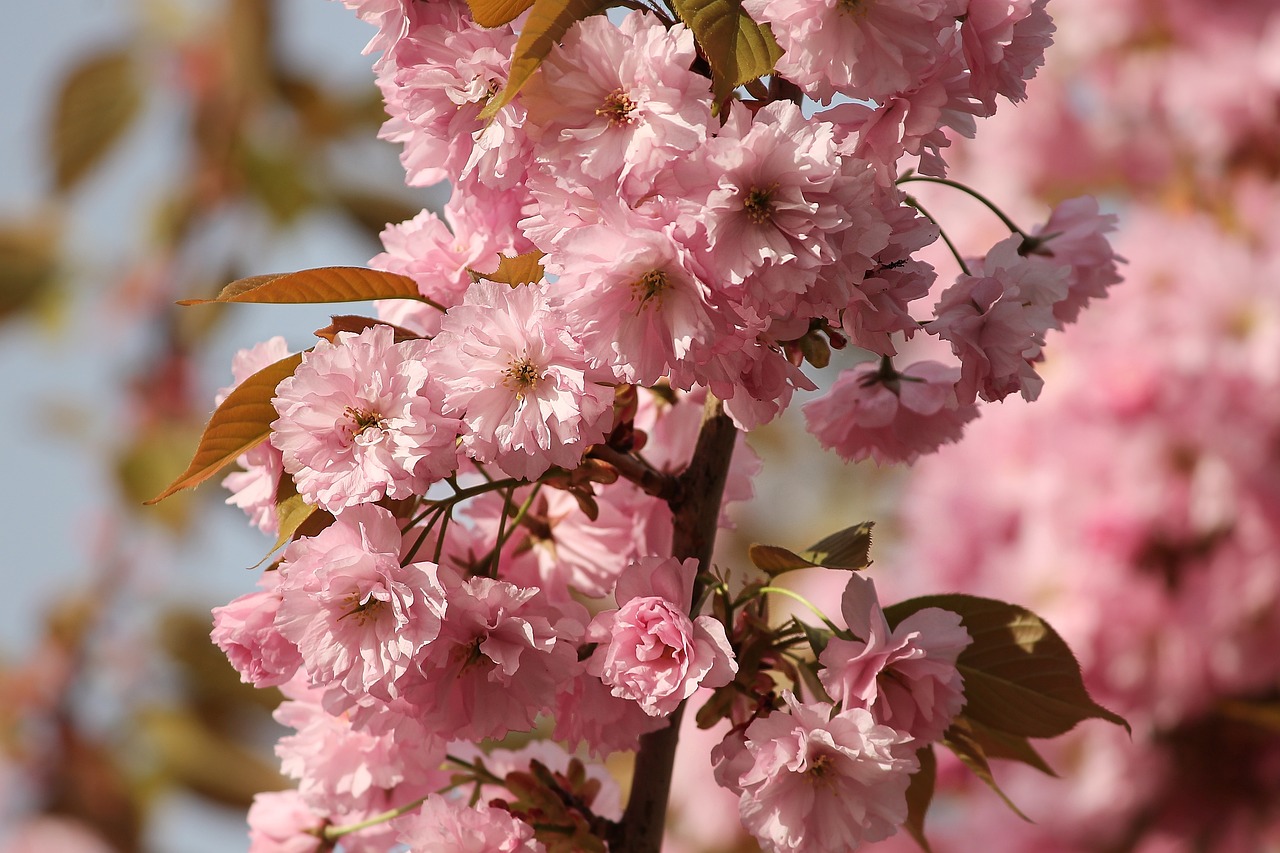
(696, 510)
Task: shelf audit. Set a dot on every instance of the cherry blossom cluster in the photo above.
(487, 469)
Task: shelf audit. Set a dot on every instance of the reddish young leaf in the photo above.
(242, 422)
(960, 740)
(324, 284)
(495, 13)
(517, 270)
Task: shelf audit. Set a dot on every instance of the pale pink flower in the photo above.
(889, 415)
(588, 713)
(522, 386)
(1074, 237)
(650, 650)
(633, 288)
(391, 17)
(821, 782)
(765, 183)
(559, 548)
(449, 826)
(865, 49)
(254, 487)
(906, 676)
(1004, 43)
(340, 768)
(441, 74)
(281, 822)
(246, 632)
(497, 662)
(357, 615)
(360, 419)
(614, 105)
(996, 319)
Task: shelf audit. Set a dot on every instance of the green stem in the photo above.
(941, 233)
(988, 203)
(333, 833)
(782, 590)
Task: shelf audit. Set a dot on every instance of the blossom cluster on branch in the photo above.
(497, 499)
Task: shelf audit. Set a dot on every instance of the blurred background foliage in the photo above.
(173, 147)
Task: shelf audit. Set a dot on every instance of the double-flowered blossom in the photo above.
(496, 664)
(450, 826)
(357, 615)
(995, 320)
(888, 415)
(649, 650)
(615, 105)
(819, 781)
(360, 420)
(522, 386)
(906, 676)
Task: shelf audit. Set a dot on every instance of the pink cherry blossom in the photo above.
(906, 676)
(246, 632)
(357, 615)
(1004, 44)
(614, 105)
(865, 49)
(633, 287)
(820, 782)
(650, 650)
(254, 487)
(996, 319)
(889, 415)
(497, 662)
(522, 386)
(341, 768)
(360, 419)
(441, 74)
(449, 826)
(1074, 237)
(281, 822)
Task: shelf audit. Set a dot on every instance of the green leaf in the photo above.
(291, 513)
(960, 740)
(98, 101)
(495, 13)
(547, 23)
(737, 48)
(846, 549)
(324, 284)
(241, 423)
(998, 744)
(920, 795)
(1020, 677)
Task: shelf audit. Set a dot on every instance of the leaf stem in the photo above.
(988, 203)
(911, 200)
(782, 590)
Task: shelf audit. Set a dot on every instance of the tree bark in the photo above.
(696, 511)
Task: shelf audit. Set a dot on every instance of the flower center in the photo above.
(363, 608)
(651, 285)
(758, 204)
(365, 424)
(854, 8)
(521, 376)
(822, 769)
(617, 108)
